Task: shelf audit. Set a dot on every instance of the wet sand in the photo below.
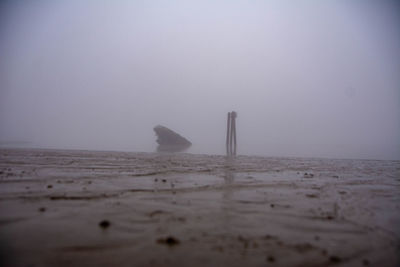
(84, 208)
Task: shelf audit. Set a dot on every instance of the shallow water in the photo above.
(185, 209)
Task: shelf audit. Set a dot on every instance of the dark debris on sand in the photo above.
(335, 259)
(104, 224)
(42, 209)
(271, 258)
(308, 175)
(169, 241)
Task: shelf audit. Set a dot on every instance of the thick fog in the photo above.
(307, 78)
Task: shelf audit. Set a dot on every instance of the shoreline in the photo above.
(222, 154)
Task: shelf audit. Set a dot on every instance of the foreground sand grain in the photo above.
(83, 208)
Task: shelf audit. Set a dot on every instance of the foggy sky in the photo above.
(307, 78)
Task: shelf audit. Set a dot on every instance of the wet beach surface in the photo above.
(84, 208)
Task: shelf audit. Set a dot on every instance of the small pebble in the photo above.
(270, 259)
(42, 209)
(170, 241)
(49, 186)
(365, 262)
(335, 259)
(308, 175)
(104, 224)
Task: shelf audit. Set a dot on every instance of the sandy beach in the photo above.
(84, 208)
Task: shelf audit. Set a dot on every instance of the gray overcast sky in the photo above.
(307, 78)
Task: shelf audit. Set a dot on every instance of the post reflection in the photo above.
(227, 204)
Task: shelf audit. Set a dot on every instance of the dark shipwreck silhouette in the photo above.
(170, 141)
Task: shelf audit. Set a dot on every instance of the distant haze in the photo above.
(307, 78)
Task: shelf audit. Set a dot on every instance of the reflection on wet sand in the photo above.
(227, 194)
(172, 148)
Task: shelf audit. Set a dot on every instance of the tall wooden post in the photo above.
(231, 134)
(228, 134)
(233, 115)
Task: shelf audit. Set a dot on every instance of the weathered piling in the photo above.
(233, 118)
(228, 134)
(231, 134)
